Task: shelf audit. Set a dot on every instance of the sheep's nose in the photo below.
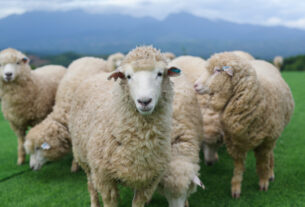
(144, 101)
(8, 74)
(196, 85)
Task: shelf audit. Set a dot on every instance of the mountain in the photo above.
(182, 33)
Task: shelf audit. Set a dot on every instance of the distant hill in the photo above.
(182, 33)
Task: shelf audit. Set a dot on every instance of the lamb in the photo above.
(278, 61)
(255, 105)
(50, 140)
(121, 132)
(27, 96)
(114, 61)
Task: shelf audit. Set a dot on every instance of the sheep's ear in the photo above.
(25, 60)
(45, 146)
(173, 72)
(116, 74)
(228, 70)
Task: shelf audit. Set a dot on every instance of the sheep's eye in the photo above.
(128, 76)
(37, 148)
(18, 63)
(160, 74)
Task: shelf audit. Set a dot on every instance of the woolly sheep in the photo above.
(187, 135)
(278, 61)
(114, 61)
(121, 131)
(256, 104)
(27, 96)
(194, 67)
(50, 140)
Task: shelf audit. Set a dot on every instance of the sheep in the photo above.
(187, 135)
(50, 139)
(194, 67)
(114, 61)
(27, 96)
(121, 131)
(255, 105)
(169, 56)
(278, 62)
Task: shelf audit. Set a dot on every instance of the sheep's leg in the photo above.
(237, 176)
(93, 194)
(271, 171)
(21, 138)
(143, 196)
(109, 194)
(262, 155)
(74, 166)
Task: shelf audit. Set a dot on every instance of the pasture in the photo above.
(54, 185)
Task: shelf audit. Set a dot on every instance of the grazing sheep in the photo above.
(255, 105)
(27, 96)
(50, 139)
(194, 67)
(187, 135)
(121, 131)
(114, 61)
(169, 56)
(278, 61)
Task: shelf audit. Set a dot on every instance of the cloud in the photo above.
(272, 12)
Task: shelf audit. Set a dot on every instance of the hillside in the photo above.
(55, 32)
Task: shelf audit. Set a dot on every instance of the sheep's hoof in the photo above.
(74, 167)
(209, 163)
(20, 161)
(263, 185)
(271, 179)
(186, 204)
(236, 195)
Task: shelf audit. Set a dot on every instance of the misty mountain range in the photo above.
(181, 33)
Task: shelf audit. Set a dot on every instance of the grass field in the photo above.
(54, 185)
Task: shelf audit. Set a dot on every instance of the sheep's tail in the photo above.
(197, 181)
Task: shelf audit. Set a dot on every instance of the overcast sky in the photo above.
(289, 13)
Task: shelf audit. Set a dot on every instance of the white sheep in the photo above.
(121, 131)
(27, 96)
(255, 105)
(178, 182)
(194, 67)
(114, 61)
(50, 139)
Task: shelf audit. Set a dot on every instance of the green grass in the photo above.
(54, 185)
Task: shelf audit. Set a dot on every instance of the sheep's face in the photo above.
(200, 84)
(145, 84)
(12, 69)
(37, 157)
(43, 153)
(46, 143)
(217, 82)
(210, 153)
